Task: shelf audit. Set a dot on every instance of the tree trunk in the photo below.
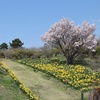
(69, 60)
(82, 95)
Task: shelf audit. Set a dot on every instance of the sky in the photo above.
(28, 20)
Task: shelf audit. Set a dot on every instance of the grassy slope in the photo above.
(44, 87)
(8, 89)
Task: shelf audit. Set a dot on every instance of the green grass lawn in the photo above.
(8, 88)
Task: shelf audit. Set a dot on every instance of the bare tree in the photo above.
(71, 39)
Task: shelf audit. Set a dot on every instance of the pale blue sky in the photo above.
(29, 19)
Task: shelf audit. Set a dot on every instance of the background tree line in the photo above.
(47, 51)
(16, 43)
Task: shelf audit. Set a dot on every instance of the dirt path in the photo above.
(38, 82)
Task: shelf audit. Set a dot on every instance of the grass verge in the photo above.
(9, 89)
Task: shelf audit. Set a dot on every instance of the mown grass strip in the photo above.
(26, 90)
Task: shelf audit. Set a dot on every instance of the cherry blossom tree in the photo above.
(71, 39)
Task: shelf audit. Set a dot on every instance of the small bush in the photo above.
(2, 55)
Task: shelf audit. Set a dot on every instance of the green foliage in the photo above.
(2, 71)
(4, 46)
(54, 52)
(16, 43)
(22, 53)
(17, 53)
(56, 59)
(98, 50)
(2, 55)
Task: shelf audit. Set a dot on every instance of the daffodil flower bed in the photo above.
(26, 90)
(79, 77)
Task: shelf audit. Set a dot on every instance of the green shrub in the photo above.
(2, 55)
